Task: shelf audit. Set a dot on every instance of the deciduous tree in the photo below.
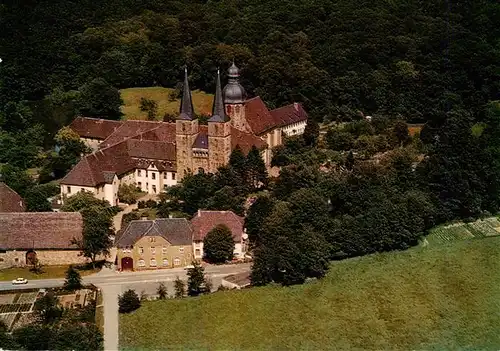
(218, 244)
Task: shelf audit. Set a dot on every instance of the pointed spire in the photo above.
(186, 110)
(218, 111)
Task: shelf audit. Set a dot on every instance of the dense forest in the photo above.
(407, 58)
(362, 187)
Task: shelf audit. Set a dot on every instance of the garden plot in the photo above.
(462, 231)
(27, 298)
(7, 299)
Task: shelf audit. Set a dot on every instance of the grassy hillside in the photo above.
(132, 96)
(441, 297)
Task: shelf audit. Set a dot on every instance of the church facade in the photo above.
(156, 155)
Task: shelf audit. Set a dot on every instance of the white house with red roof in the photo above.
(205, 221)
(155, 155)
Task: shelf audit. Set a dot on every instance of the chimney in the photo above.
(296, 106)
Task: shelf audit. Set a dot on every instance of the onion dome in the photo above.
(234, 93)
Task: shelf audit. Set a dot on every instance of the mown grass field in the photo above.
(48, 272)
(432, 298)
(202, 102)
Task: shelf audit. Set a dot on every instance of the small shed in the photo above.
(237, 281)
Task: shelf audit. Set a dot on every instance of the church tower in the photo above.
(186, 130)
(234, 99)
(219, 132)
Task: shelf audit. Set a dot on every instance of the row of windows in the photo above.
(153, 174)
(152, 249)
(153, 263)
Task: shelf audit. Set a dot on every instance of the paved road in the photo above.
(124, 278)
(114, 283)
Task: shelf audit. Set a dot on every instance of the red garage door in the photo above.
(127, 263)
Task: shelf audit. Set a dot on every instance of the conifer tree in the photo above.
(180, 288)
(256, 168)
(73, 280)
(196, 279)
(162, 291)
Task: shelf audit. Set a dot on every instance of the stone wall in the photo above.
(236, 113)
(46, 258)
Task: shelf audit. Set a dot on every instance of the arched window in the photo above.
(142, 263)
(165, 262)
(177, 261)
(152, 262)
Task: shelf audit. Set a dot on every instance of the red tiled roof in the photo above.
(163, 132)
(94, 128)
(40, 230)
(258, 116)
(129, 129)
(157, 150)
(261, 119)
(204, 221)
(288, 114)
(100, 166)
(245, 140)
(10, 201)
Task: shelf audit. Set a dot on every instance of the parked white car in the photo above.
(189, 267)
(20, 281)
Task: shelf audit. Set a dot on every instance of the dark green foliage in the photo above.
(37, 197)
(128, 217)
(311, 132)
(97, 223)
(287, 153)
(99, 99)
(47, 309)
(196, 280)
(64, 336)
(162, 291)
(128, 302)
(17, 179)
(180, 288)
(73, 280)
(218, 244)
(34, 337)
(291, 248)
(462, 168)
(238, 162)
(259, 210)
(128, 193)
(400, 130)
(339, 140)
(150, 204)
(256, 169)
(80, 336)
(36, 200)
(6, 340)
(68, 151)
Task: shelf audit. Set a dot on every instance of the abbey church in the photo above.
(155, 155)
